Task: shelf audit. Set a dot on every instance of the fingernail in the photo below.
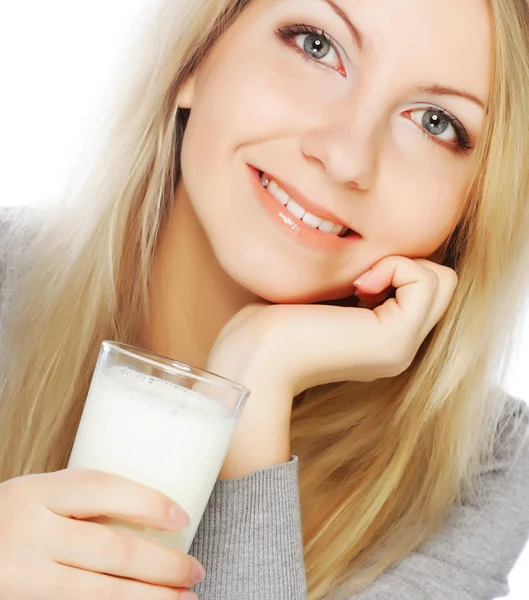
(188, 596)
(362, 280)
(197, 573)
(178, 516)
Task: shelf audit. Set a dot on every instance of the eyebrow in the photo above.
(438, 90)
(442, 90)
(358, 36)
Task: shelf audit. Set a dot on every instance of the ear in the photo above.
(187, 92)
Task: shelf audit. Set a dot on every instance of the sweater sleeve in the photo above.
(250, 540)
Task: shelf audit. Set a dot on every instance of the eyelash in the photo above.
(463, 141)
(290, 31)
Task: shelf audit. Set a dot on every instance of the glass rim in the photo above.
(175, 367)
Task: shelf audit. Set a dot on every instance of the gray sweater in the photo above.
(250, 540)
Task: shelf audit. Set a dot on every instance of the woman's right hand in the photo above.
(49, 551)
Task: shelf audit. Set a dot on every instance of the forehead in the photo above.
(450, 38)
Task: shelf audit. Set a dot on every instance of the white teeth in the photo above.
(327, 226)
(311, 220)
(298, 211)
(278, 193)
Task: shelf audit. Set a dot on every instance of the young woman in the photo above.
(266, 161)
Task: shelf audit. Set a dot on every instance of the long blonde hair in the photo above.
(383, 462)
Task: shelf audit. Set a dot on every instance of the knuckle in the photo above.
(93, 476)
(180, 570)
(117, 549)
(450, 276)
(179, 567)
(149, 505)
(87, 478)
(92, 483)
(156, 502)
(432, 277)
(185, 566)
(454, 280)
(125, 550)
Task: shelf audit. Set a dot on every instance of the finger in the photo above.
(105, 550)
(84, 494)
(448, 280)
(415, 290)
(372, 300)
(66, 583)
(423, 289)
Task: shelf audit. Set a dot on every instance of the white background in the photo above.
(55, 59)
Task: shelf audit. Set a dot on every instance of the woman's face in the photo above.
(371, 125)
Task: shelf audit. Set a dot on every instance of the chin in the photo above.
(295, 297)
(282, 285)
(271, 271)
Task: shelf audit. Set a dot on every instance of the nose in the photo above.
(346, 146)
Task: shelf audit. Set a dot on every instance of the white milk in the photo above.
(156, 433)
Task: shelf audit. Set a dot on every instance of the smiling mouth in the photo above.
(296, 209)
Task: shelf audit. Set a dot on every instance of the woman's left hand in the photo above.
(280, 350)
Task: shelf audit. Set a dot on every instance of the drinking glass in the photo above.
(161, 423)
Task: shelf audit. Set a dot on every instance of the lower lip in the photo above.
(293, 226)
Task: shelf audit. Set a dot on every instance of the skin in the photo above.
(345, 137)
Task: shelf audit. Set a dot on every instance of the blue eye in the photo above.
(436, 123)
(442, 127)
(317, 46)
(313, 44)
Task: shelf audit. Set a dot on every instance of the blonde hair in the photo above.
(383, 462)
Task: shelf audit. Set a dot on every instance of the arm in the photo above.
(250, 540)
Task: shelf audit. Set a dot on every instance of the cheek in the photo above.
(233, 110)
(419, 204)
(259, 89)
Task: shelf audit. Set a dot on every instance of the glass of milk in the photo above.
(159, 422)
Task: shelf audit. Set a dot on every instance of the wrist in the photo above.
(243, 459)
(261, 438)
(252, 370)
